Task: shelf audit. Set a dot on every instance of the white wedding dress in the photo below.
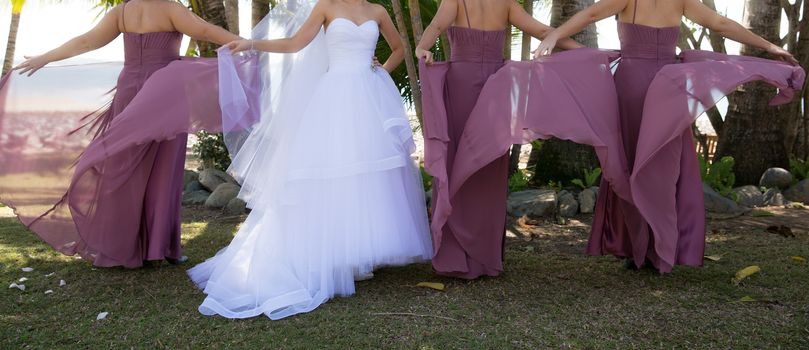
(333, 190)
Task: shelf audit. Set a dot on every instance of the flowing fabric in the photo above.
(570, 96)
(326, 170)
(109, 191)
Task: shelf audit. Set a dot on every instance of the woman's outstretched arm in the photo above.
(696, 11)
(295, 43)
(525, 22)
(188, 23)
(102, 34)
(594, 13)
(442, 20)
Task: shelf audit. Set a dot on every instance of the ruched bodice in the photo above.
(475, 45)
(157, 48)
(351, 46)
(644, 42)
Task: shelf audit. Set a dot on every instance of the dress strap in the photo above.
(635, 12)
(123, 16)
(468, 23)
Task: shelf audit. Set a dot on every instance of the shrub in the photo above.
(590, 178)
(719, 175)
(799, 168)
(212, 151)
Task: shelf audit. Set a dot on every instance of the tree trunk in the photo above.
(415, 20)
(560, 160)
(410, 62)
(525, 55)
(11, 44)
(260, 9)
(212, 11)
(797, 138)
(753, 133)
(232, 15)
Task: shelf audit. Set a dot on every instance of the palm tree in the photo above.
(16, 10)
(260, 9)
(232, 15)
(410, 62)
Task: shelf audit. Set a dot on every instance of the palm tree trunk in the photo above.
(11, 44)
(232, 15)
(560, 160)
(212, 11)
(410, 64)
(260, 9)
(525, 55)
(415, 20)
(753, 133)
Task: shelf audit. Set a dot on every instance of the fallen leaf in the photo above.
(745, 272)
(102, 316)
(432, 285)
(18, 286)
(713, 257)
(62, 283)
(799, 259)
(50, 274)
(22, 279)
(747, 299)
(48, 291)
(27, 269)
(760, 213)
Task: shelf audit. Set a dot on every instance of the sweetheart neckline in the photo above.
(351, 22)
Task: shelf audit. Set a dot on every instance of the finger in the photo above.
(33, 71)
(24, 70)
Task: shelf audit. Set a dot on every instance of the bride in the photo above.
(326, 171)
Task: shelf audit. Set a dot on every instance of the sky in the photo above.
(46, 24)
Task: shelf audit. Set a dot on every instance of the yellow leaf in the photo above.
(713, 257)
(745, 272)
(798, 259)
(432, 285)
(760, 213)
(747, 299)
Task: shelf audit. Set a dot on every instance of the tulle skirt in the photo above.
(334, 195)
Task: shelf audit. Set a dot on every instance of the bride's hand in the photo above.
(424, 54)
(782, 54)
(31, 64)
(239, 46)
(376, 63)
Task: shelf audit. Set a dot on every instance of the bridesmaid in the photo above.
(125, 209)
(469, 241)
(648, 30)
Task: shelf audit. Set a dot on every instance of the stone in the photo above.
(776, 178)
(717, 203)
(587, 200)
(236, 206)
(568, 206)
(193, 186)
(211, 179)
(799, 192)
(773, 197)
(533, 203)
(196, 197)
(749, 196)
(190, 176)
(222, 195)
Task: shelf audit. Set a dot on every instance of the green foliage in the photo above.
(719, 175)
(426, 179)
(554, 185)
(211, 150)
(590, 178)
(519, 181)
(799, 168)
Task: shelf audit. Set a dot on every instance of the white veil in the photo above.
(259, 92)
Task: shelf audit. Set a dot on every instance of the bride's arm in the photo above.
(297, 42)
(392, 37)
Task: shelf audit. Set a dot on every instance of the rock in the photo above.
(776, 178)
(190, 176)
(196, 197)
(773, 197)
(568, 206)
(749, 196)
(222, 195)
(212, 178)
(236, 206)
(587, 200)
(534, 203)
(716, 203)
(193, 186)
(799, 192)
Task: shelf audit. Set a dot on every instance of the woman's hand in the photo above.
(240, 46)
(32, 64)
(782, 54)
(546, 46)
(426, 55)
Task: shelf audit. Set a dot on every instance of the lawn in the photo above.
(552, 296)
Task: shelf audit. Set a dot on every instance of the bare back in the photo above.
(653, 13)
(483, 14)
(146, 16)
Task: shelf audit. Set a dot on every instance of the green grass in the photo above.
(552, 296)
